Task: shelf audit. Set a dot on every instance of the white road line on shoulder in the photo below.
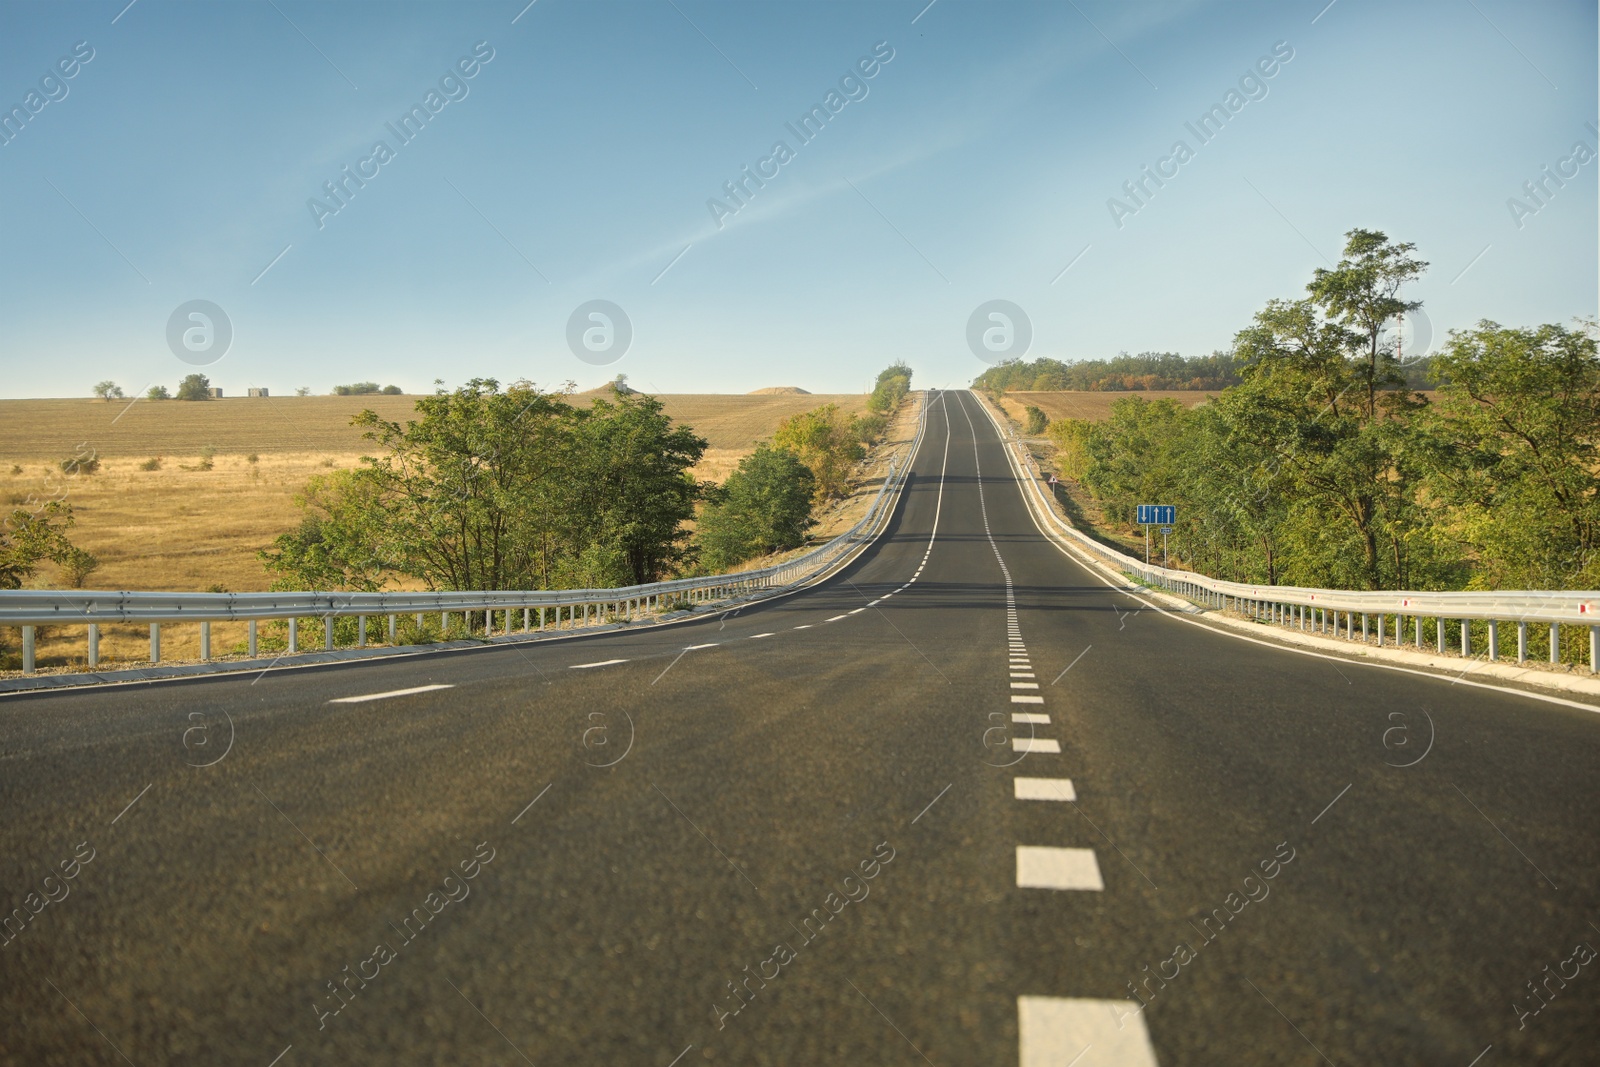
(752, 637)
(391, 693)
(836, 618)
(693, 648)
(1044, 789)
(807, 626)
(1042, 867)
(596, 663)
(875, 603)
(1035, 744)
(857, 611)
(1030, 717)
(1055, 1031)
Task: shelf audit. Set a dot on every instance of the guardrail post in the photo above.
(1466, 637)
(155, 642)
(205, 640)
(252, 636)
(1419, 631)
(294, 635)
(391, 629)
(1380, 629)
(444, 624)
(1555, 642)
(361, 631)
(1494, 639)
(1594, 650)
(327, 633)
(1440, 627)
(541, 617)
(27, 650)
(526, 621)
(94, 645)
(1522, 641)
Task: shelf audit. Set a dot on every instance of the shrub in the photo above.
(358, 389)
(15, 469)
(1035, 421)
(76, 566)
(151, 464)
(826, 443)
(303, 390)
(252, 459)
(80, 464)
(870, 428)
(195, 387)
(158, 392)
(764, 506)
(894, 382)
(391, 390)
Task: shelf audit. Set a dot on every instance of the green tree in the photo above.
(763, 507)
(1034, 421)
(158, 392)
(194, 387)
(825, 442)
(108, 390)
(893, 383)
(29, 537)
(1515, 454)
(502, 489)
(1361, 293)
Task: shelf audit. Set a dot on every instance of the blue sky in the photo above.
(577, 164)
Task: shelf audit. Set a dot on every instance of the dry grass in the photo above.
(193, 530)
(52, 430)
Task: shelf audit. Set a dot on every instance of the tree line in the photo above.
(518, 488)
(1324, 467)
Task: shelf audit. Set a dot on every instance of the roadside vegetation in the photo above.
(771, 500)
(1324, 467)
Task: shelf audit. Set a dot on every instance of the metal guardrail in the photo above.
(578, 608)
(1386, 615)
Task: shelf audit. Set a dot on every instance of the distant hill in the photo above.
(780, 390)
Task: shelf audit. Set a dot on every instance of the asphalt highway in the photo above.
(963, 803)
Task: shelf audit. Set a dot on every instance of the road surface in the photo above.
(961, 804)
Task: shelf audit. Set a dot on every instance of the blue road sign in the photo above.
(1165, 530)
(1157, 514)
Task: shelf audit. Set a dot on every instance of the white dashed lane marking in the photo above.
(597, 663)
(1035, 744)
(1030, 717)
(1040, 867)
(1044, 789)
(1023, 698)
(836, 618)
(1024, 685)
(391, 693)
(692, 648)
(752, 637)
(1057, 1031)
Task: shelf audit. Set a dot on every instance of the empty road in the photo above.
(963, 803)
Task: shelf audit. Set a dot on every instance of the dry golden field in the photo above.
(51, 430)
(181, 529)
(193, 530)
